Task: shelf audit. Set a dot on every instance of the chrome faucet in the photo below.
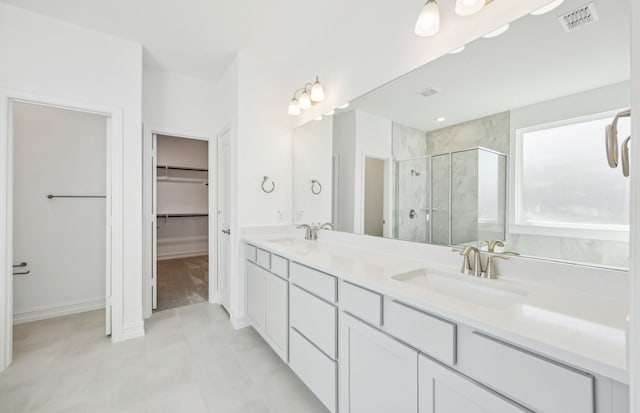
(310, 231)
(328, 225)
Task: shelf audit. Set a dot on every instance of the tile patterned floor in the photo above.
(191, 360)
(183, 281)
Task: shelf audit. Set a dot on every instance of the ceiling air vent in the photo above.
(430, 91)
(579, 17)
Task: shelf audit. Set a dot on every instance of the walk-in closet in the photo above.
(182, 266)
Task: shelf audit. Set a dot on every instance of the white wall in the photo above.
(61, 152)
(344, 148)
(312, 160)
(50, 58)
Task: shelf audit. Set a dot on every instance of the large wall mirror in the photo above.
(504, 140)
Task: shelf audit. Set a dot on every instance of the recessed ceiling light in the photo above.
(318, 118)
(346, 105)
(440, 119)
(496, 32)
(330, 113)
(468, 7)
(547, 8)
(458, 50)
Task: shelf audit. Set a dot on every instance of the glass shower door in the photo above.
(413, 200)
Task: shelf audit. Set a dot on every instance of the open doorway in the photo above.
(374, 196)
(181, 199)
(60, 205)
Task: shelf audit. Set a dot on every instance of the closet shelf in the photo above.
(181, 168)
(181, 215)
(183, 180)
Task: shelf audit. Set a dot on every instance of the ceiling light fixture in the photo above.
(497, 32)
(458, 50)
(346, 105)
(469, 7)
(311, 93)
(547, 8)
(428, 22)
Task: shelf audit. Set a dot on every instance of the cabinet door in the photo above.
(277, 310)
(445, 391)
(378, 374)
(256, 295)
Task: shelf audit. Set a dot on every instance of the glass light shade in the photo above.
(497, 32)
(547, 8)
(317, 93)
(468, 7)
(305, 100)
(428, 22)
(294, 108)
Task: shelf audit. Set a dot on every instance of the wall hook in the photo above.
(265, 190)
(315, 184)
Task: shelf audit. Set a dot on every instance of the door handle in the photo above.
(22, 273)
(22, 264)
(226, 231)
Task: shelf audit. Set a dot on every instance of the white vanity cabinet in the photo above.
(268, 306)
(378, 374)
(442, 390)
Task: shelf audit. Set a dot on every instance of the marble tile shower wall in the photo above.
(413, 188)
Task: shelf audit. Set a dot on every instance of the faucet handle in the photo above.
(491, 271)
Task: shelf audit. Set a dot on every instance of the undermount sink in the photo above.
(484, 292)
(281, 241)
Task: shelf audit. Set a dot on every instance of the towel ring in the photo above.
(313, 186)
(273, 185)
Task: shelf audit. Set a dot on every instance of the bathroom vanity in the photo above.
(374, 332)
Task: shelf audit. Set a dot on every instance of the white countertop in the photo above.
(582, 330)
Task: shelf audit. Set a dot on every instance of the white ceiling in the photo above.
(200, 38)
(533, 62)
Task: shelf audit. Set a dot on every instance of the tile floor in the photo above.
(191, 360)
(183, 281)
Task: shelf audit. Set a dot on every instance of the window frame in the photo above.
(554, 229)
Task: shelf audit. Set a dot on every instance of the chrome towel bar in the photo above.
(75, 196)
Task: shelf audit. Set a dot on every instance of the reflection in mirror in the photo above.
(504, 141)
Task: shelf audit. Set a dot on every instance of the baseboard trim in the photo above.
(57, 310)
(185, 254)
(240, 322)
(129, 332)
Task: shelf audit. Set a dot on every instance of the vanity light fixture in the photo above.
(546, 9)
(468, 7)
(458, 50)
(428, 22)
(497, 32)
(311, 93)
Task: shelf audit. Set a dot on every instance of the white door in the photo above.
(378, 374)
(223, 216)
(154, 224)
(444, 391)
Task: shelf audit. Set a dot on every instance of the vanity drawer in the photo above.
(362, 303)
(315, 319)
(263, 259)
(315, 369)
(429, 334)
(321, 284)
(535, 382)
(280, 266)
(250, 252)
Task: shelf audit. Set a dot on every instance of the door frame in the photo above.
(114, 211)
(218, 139)
(148, 220)
(387, 212)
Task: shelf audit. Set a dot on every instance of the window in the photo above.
(563, 184)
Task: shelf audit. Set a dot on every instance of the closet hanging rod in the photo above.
(181, 215)
(182, 168)
(75, 196)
